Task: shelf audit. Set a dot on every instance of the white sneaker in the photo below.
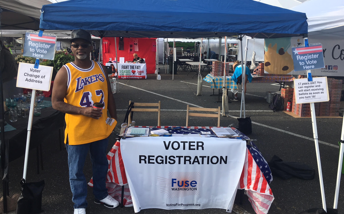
(79, 210)
(108, 202)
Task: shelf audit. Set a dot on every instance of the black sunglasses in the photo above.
(83, 45)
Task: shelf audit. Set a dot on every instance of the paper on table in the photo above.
(159, 132)
(143, 132)
(224, 132)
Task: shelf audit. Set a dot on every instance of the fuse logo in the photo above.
(186, 185)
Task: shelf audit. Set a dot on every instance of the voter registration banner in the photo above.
(183, 172)
(132, 71)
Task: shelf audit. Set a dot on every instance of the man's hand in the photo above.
(95, 113)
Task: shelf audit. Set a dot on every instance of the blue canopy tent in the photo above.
(174, 18)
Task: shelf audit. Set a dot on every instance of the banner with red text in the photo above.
(183, 172)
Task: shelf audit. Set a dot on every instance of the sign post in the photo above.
(30, 76)
(310, 91)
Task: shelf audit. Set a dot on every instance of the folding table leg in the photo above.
(4, 187)
(37, 157)
(41, 156)
(60, 139)
(122, 197)
(5, 179)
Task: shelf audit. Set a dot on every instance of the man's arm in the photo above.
(59, 93)
(111, 100)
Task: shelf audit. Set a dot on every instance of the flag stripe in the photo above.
(256, 182)
(309, 52)
(249, 171)
(308, 48)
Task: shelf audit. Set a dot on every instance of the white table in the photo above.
(194, 64)
(182, 64)
(185, 60)
(210, 60)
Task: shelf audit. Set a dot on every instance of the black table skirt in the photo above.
(42, 127)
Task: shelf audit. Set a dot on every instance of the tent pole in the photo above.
(246, 50)
(168, 54)
(163, 51)
(208, 50)
(116, 57)
(224, 85)
(219, 57)
(340, 164)
(156, 55)
(100, 49)
(199, 77)
(4, 164)
(174, 53)
(243, 77)
(316, 143)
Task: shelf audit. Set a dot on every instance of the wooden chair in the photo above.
(207, 112)
(139, 104)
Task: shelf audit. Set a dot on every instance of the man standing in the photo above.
(237, 77)
(78, 89)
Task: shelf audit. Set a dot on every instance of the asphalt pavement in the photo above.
(276, 133)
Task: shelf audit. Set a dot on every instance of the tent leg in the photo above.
(225, 108)
(340, 164)
(199, 78)
(243, 78)
(116, 58)
(4, 147)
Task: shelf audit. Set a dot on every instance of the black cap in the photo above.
(81, 34)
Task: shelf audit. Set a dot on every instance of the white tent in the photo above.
(326, 26)
(282, 3)
(20, 14)
(325, 18)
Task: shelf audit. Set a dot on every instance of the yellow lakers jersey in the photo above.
(85, 87)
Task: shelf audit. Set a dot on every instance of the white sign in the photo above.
(36, 79)
(132, 71)
(183, 172)
(311, 91)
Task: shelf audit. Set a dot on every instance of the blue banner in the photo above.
(308, 58)
(42, 47)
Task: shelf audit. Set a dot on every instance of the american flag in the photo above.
(43, 39)
(258, 190)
